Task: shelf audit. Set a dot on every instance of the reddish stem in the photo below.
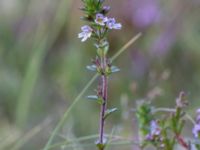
(104, 83)
(182, 142)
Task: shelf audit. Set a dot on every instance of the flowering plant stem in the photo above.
(98, 27)
(104, 80)
(78, 97)
(103, 109)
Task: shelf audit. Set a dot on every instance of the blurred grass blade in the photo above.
(135, 38)
(28, 84)
(66, 114)
(110, 139)
(89, 137)
(33, 68)
(27, 137)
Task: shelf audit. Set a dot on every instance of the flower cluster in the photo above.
(99, 27)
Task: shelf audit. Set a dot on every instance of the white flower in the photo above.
(111, 24)
(101, 19)
(86, 33)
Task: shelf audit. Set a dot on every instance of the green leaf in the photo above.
(92, 67)
(96, 98)
(101, 146)
(109, 112)
(93, 97)
(114, 69)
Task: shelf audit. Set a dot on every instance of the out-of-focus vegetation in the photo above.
(42, 67)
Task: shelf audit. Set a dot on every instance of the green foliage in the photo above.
(91, 8)
(109, 112)
(144, 116)
(96, 98)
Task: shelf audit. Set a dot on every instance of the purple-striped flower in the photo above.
(86, 33)
(101, 19)
(111, 24)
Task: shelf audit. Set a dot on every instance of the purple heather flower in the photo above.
(111, 24)
(101, 19)
(163, 43)
(86, 33)
(198, 116)
(198, 111)
(145, 12)
(196, 130)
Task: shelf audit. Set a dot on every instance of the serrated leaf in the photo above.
(114, 69)
(92, 67)
(109, 112)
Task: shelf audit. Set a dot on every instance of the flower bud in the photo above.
(105, 9)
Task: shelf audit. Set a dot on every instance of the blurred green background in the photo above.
(42, 67)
